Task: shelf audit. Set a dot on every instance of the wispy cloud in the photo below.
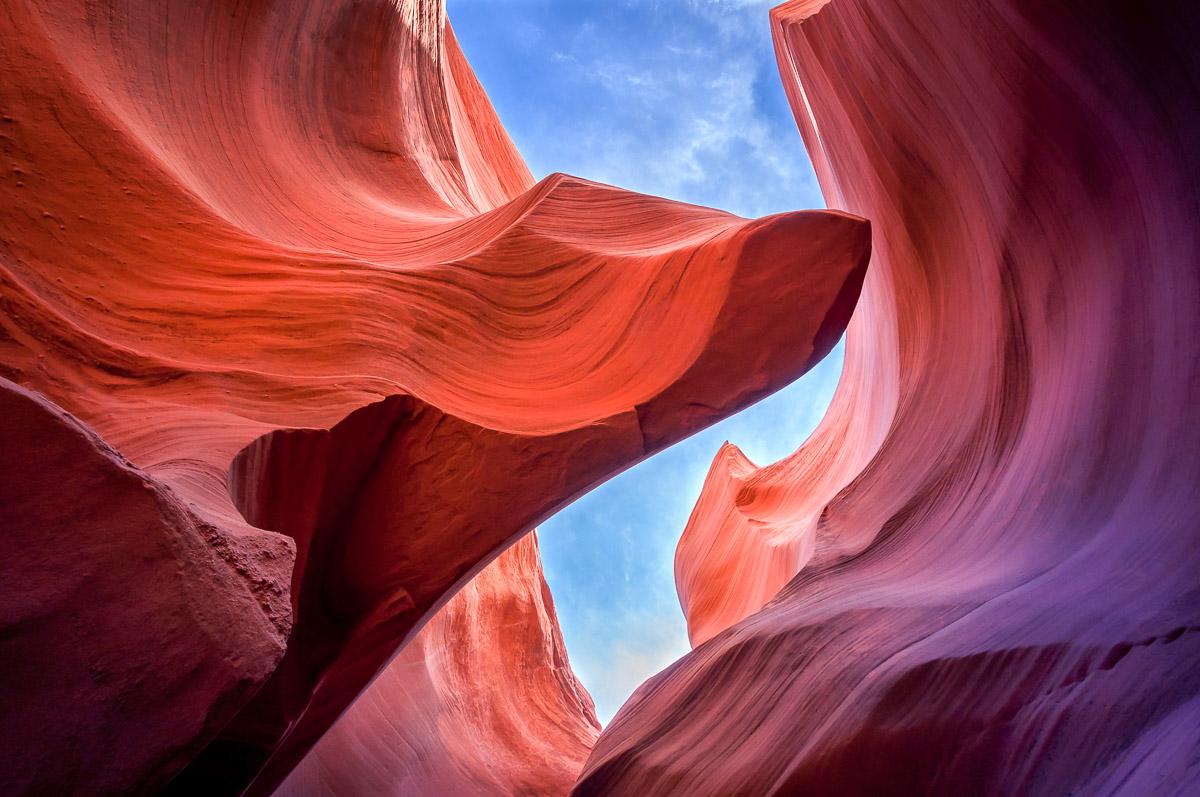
(679, 99)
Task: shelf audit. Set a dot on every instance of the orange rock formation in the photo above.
(980, 573)
(294, 346)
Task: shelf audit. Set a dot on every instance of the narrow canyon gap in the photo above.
(581, 86)
(294, 346)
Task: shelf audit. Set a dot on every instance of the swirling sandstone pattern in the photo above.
(294, 346)
(482, 702)
(994, 531)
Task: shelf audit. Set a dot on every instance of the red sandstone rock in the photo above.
(285, 261)
(995, 526)
(482, 702)
(121, 611)
(729, 563)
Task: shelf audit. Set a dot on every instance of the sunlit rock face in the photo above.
(729, 563)
(482, 702)
(995, 529)
(294, 346)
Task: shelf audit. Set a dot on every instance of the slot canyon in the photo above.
(296, 354)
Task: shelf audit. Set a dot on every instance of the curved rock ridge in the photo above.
(481, 702)
(281, 266)
(994, 529)
(729, 563)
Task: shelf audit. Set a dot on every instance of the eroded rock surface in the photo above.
(482, 702)
(994, 532)
(280, 265)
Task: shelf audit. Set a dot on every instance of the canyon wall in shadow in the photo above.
(481, 702)
(983, 565)
(293, 346)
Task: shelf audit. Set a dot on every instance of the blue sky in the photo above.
(680, 99)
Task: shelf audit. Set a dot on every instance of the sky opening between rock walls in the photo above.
(681, 99)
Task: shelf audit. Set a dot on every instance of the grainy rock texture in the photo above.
(987, 556)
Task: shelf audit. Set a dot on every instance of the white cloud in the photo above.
(672, 104)
(678, 99)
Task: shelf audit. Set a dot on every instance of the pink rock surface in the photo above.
(286, 262)
(482, 702)
(994, 529)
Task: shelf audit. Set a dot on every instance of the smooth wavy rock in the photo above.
(994, 529)
(280, 265)
(482, 702)
(728, 563)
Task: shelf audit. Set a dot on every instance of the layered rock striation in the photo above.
(481, 702)
(293, 346)
(980, 573)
